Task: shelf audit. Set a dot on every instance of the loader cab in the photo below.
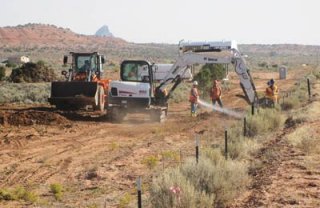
(135, 71)
(87, 64)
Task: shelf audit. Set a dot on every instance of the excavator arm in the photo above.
(206, 53)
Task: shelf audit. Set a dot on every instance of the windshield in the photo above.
(86, 63)
(135, 71)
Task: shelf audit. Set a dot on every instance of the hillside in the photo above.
(41, 35)
(50, 43)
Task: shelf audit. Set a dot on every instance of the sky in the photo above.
(169, 21)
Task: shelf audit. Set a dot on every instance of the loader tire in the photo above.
(100, 100)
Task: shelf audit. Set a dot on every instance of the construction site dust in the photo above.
(221, 110)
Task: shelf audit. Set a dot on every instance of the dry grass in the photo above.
(290, 103)
(265, 121)
(306, 139)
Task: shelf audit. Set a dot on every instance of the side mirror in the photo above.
(65, 60)
(102, 59)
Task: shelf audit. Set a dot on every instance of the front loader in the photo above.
(83, 86)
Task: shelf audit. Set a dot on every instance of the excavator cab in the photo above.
(135, 71)
(83, 85)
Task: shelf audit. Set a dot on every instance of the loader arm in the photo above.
(202, 53)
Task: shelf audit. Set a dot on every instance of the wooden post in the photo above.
(139, 192)
(309, 89)
(197, 149)
(226, 144)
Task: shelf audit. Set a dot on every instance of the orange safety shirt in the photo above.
(272, 93)
(215, 92)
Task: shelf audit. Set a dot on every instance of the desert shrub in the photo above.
(170, 155)
(57, 190)
(6, 195)
(27, 195)
(163, 197)
(19, 193)
(265, 121)
(24, 93)
(223, 179)
(213, 181)
(263, 64)
(11, 65)
(242, 149)
(181, 93)
(290, 103)
(305, 139)
(2, 72)
(125, 200)
(150, 161)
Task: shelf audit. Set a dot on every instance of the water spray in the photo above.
(219, 109)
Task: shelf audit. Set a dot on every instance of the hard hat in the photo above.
(271, 81)
(195, 83)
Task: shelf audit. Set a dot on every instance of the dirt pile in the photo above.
(31, 72)
(26, 118)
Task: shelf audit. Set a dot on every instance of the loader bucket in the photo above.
(73, 94)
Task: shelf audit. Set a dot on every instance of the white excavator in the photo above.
(146, 87)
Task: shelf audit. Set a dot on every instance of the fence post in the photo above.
(197, 149)
(309, 89)
(252, 109)
(226, 143)
(244, 126)
(139, 192)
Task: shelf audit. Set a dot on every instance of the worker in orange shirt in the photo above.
(194, 97)
(215, 93)
(272, 92)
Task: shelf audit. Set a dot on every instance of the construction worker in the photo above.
(215, 93)
(194, 98)
(272, 92)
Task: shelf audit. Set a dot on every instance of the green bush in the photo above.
(19, 193)
(207, 74)
(150, 161)
(31, 72)
(57, 190)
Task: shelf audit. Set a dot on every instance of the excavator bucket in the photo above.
(66, 95)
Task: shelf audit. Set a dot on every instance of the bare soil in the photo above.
(98, 162)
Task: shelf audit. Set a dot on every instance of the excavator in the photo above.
(146, 87)
(83, 86)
